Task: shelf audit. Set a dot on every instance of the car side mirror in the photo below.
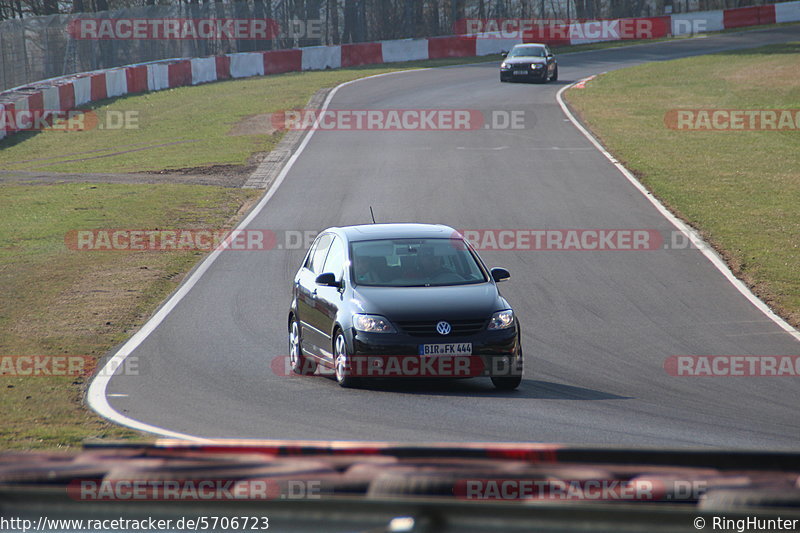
(549, 56)
(500, 274)
(503, 53)
(327, 279)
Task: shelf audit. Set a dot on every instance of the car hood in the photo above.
(525, 60)
(431, 303)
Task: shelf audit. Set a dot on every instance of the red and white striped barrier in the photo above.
(69, 92)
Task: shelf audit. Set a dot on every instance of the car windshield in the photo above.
(414, 263)
(527, 51)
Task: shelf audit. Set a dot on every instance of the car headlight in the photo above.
(504, 65)
(536, 66)
(372, 324)
(502, 319)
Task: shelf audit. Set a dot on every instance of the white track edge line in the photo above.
(684, 228)
(96, 394)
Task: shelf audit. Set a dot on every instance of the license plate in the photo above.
(520, 72)
(452, 348)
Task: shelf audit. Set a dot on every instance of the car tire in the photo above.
(300, 364)
(506, 382)
(554, 77)
(341, 357)
(509, 382)
(503, 80)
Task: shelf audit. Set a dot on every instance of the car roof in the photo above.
(530, 45)
(368, 232)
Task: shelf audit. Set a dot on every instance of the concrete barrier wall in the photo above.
(247, 64)
(787, 12)
(700, 22)
(404, 50)
(204, 70)
(321, 57)
(83, 90)
(116, 83)
(494, 44)
(157, 77)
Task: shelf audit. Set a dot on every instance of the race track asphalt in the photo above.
(597, 326)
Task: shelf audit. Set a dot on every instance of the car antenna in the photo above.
(373, 215)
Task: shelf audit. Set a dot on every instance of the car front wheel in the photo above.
(342, 362)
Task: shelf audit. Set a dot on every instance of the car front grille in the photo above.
(427, 328)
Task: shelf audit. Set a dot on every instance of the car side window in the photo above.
(310, 254)
(336, 258)
(317, 256)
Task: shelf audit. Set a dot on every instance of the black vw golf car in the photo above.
(394, 300)
(529, 62)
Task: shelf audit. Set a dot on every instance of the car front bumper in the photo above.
(530, 75)
(494, 353)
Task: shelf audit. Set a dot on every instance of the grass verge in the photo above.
(57, 301)
(740, 189)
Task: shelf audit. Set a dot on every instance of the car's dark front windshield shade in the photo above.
(414, 263)
(527, 51)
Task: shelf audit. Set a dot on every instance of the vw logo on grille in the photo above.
(443, 328)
